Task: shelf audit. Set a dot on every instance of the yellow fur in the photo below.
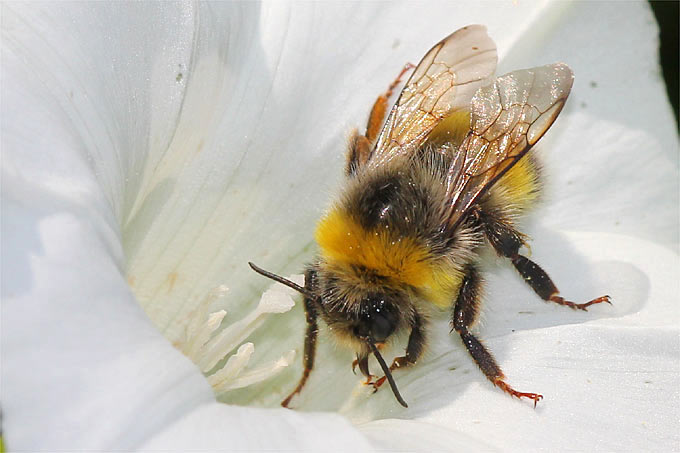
(520, 184)
(451, 129)
(344, 242)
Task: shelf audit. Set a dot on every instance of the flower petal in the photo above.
(611, 159)
(216, 427)
(411, 435)
(77, 348)
(83, 368)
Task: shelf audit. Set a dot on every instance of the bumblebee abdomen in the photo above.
(518, 189)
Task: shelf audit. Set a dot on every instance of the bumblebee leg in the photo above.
(379, 110)
(542, 285)
(360, 146)
(507, 241)
(414, 348)
(362, 361)
(464, 315)
(357, 153)
(310, 336)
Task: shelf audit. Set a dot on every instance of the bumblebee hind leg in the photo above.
(507, 241)
(466, 310)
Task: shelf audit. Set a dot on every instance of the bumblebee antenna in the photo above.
(284, 281)
(387, 372)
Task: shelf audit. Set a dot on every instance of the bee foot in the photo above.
(390, 90)
(369, 380)
(378, 383)
(514, 393)
(286, 402)
(558, 299)
(399, 362)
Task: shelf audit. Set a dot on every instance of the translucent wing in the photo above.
(507, 119)
(445, 80)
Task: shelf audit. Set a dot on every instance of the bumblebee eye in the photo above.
(381, 327)
(377, 319)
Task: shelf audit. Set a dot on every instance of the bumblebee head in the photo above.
(377, 318)
(365, 315)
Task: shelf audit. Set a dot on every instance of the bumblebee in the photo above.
(447, 175)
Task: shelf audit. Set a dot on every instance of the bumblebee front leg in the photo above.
(414, 348)
(360, 146)
(362, 362)
(311, 314)
(507, 241)
(465, 314)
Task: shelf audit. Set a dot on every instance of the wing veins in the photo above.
(527, 103)
(463, 60)
(432, 93)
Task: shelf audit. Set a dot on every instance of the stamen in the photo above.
(231, 336)
(258, 374)
(234, 366)
(198, 331)
(207, 350)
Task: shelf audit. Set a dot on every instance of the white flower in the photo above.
(150, 150)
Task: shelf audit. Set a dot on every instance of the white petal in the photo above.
(218, 427)
(87, 90)
(409, 435)
(612, 157)
(76, 346)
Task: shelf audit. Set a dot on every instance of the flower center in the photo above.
(208, 349)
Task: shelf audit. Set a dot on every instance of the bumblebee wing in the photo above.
(508, 117)
(442, 83)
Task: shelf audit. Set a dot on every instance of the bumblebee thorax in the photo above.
(363, 257)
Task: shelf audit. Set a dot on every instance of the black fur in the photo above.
(464, 315)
